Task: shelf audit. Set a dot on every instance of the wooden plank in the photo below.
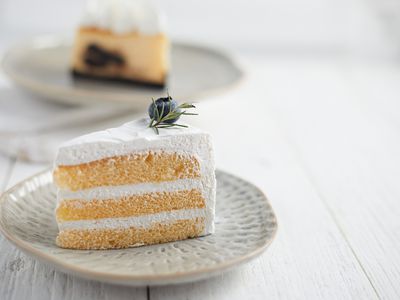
(22, 277)
(23, 170)
(5, 170)
(310, 258)
(346, 129)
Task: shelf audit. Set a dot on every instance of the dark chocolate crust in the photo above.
(79, 75)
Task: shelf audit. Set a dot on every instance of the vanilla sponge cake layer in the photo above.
(115, 238)
(127, 206)
(134, 56)
(133, 231)
(127, 169)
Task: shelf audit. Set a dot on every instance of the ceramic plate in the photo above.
(245, 226)
(42, 67)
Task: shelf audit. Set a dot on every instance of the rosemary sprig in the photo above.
(161, 121)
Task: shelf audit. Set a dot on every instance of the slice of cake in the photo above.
(121, 40)
(133, 185)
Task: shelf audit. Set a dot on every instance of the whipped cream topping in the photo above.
(124, 16)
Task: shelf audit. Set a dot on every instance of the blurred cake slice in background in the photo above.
(122, 40)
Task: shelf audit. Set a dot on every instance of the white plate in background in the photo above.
(41, 66)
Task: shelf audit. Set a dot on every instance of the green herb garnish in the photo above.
(164, 112)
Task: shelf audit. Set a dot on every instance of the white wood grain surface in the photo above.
(350, 151)
(5, 170)
(322, 139)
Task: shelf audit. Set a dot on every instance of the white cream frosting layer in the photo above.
(124, 16)
(134, 137)
(144, 221)
(112, 192)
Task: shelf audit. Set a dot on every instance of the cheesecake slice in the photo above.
(121, 40)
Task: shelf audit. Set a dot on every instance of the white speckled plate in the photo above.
(41, 66)
(245, 226)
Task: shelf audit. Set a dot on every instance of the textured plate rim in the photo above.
(67, 95)
(133, 280)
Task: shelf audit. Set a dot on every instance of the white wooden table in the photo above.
(321, 138)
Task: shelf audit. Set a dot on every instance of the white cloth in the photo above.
(32, 129)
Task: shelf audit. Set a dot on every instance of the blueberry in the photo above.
(169, 105)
